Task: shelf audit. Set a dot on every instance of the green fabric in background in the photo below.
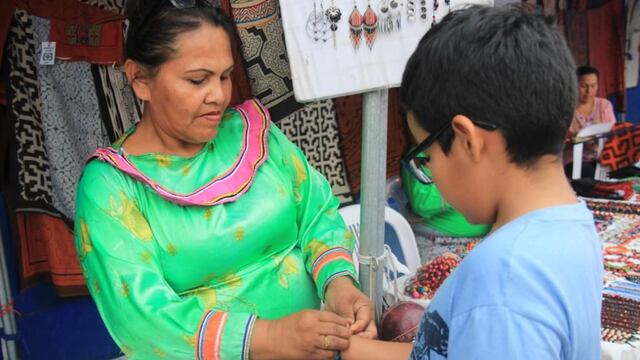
(427, 202)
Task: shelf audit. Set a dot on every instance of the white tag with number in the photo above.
(48, 55)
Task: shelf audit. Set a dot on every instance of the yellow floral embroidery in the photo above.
(172, 249)
(208, 296)
(331, 212)
(301, 173)
(349, 235)
(231, 280)
(127, 351)
(189, 339)
(281, 191)
(316, 247)
(146, 256)
(159, 352)
(85, 239)
(239, 234)
(207, 214)
(186, 170)
(130, 217)
(163, 160)
(124, 289)
(289, 267)
(96, 286)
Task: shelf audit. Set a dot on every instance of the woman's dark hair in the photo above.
(153, 28)
(503, 66)
(587, 70)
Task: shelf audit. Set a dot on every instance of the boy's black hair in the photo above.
(586, 70)
(504, 66)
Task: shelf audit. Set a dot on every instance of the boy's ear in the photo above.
(135, 74)
(470, 139)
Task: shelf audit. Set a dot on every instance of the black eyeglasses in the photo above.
(415, 164)
(178, 4)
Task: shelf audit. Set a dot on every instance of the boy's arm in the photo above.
(362, 348)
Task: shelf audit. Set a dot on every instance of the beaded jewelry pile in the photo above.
(429, 277)
(618, 225)
(621, 311)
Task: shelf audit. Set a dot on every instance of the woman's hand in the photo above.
(307, 334)
(344, 299)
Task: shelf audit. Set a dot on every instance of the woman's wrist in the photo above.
(262, 345)
(338, 284)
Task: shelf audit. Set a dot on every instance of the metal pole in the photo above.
(8, 320)
(372, 200)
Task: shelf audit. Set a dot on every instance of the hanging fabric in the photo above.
(314, 129)
(260, 29)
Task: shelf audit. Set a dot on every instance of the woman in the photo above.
(589, 110)
(203, 232)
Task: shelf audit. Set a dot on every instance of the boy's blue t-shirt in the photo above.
(531, 290)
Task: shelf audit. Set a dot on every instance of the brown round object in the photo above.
(400, 321)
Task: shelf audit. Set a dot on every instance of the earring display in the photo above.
(343, 47)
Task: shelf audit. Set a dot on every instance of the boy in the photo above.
(490, 93)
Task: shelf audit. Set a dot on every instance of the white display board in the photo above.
(325, 63)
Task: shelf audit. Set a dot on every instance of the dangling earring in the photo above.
(355, 26)
(334, 15)
(317, 24)
(411, 10)
(370, 25)
(390, 16)
(423, 10)
(436, 5)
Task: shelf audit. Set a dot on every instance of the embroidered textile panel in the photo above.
(70, 120)
(116, 6)
(314, 129)
(262, 41)
(119, 108)
(33, 187)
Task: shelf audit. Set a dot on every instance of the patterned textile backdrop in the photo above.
(314, 129)
(119, 108)
(70, 120)
(33, 188)
(262, 39)
(116, 6)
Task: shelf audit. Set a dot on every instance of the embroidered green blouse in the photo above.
(173, 279)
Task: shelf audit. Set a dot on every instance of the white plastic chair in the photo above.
(351, 216)
(578, 148)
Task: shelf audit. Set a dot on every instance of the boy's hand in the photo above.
(344, 299)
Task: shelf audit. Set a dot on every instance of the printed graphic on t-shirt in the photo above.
(433, 337)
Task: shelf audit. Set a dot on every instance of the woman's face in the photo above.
(189, 93)
(587, 87)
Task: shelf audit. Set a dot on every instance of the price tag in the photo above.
(48, 55)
